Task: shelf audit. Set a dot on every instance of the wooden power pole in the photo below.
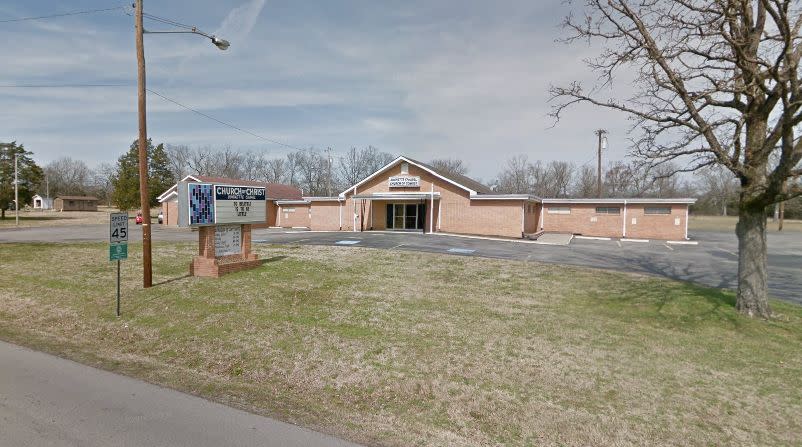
(144, 200)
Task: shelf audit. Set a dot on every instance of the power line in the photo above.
(65, 14)
(63, 85)
(223, 122)
(207, 116)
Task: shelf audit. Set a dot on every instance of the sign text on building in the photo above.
(401, 181)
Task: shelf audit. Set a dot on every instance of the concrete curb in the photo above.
(682, 242)
(633, 240)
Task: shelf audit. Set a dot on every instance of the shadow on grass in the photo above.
(168, 281)
(273, 259)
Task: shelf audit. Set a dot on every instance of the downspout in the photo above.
(353, 215)
(523, 219)
(278, 219)
(624, 230)
(439, 213)
(341, 215)
(431, 214)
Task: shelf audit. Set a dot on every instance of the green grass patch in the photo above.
(411, 348)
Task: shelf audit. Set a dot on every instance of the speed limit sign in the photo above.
(118, 228)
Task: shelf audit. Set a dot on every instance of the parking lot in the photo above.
(713, 262)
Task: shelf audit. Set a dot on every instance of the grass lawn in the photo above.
(722, 223)
(396, 348)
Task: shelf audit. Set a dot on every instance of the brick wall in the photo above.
(207, 264)
(294, 216)
(583, 219)
(325, 215)
(454, 212)
(656, 226)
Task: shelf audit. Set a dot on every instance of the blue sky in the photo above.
(427, 79)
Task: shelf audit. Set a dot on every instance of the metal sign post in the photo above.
(118, 245)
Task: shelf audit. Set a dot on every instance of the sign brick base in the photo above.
(207, 264)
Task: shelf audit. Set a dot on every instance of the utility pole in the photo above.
(328, 176)
(16, 189)
(144, 200)
(600, 133)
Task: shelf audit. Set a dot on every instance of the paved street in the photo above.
(713, 262)
(49, 401)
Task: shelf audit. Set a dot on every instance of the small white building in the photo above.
(42, 203)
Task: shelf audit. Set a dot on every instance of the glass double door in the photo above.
(406, 216)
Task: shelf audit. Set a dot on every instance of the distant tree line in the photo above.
(323, 173)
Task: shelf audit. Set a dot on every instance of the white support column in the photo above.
(278, 217)
(431, 214)
(439, 213)
(542, 215)
(523, 218)
(341, 215)
(624, 230)
(687, 207)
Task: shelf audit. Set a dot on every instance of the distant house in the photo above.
(275, 192)
(75, 203)
(42, 203)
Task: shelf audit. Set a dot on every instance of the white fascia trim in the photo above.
(175, 187)
(526, 197)
(684, 201)
(291, 202)
(402, 158)
(323, 199)
(166, 195)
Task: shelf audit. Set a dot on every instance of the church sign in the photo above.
(403, 181)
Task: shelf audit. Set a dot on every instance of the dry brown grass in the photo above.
(50, 218)
(399, 348)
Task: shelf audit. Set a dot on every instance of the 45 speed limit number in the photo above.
(118, 228)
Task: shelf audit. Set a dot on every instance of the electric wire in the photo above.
(166, 98)
(223, 122)
(65, 14)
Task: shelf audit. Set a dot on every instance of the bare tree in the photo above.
(68, 176)
(716, 82)
(102, 181)
(559, 177)
(719, 186)
(357, 164)
(180, 157)
(585, 183)
(515, 177)
(450, 166)
(275, 170)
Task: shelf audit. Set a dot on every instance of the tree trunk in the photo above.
(752, 263)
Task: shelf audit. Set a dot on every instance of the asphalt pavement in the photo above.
(713, 262)
(49, 401)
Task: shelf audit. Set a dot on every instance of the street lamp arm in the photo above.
(220, 43)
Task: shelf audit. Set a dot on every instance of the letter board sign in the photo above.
(213, 204)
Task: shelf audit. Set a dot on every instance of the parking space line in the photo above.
(668, 247)
(726, 251)
(347, 242)
(618, 242)
(464, 251)
(399, 245)
(300, 240)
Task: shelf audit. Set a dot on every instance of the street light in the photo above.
(144, 200)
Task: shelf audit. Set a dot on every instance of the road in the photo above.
(49, 401)
(713, 262)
